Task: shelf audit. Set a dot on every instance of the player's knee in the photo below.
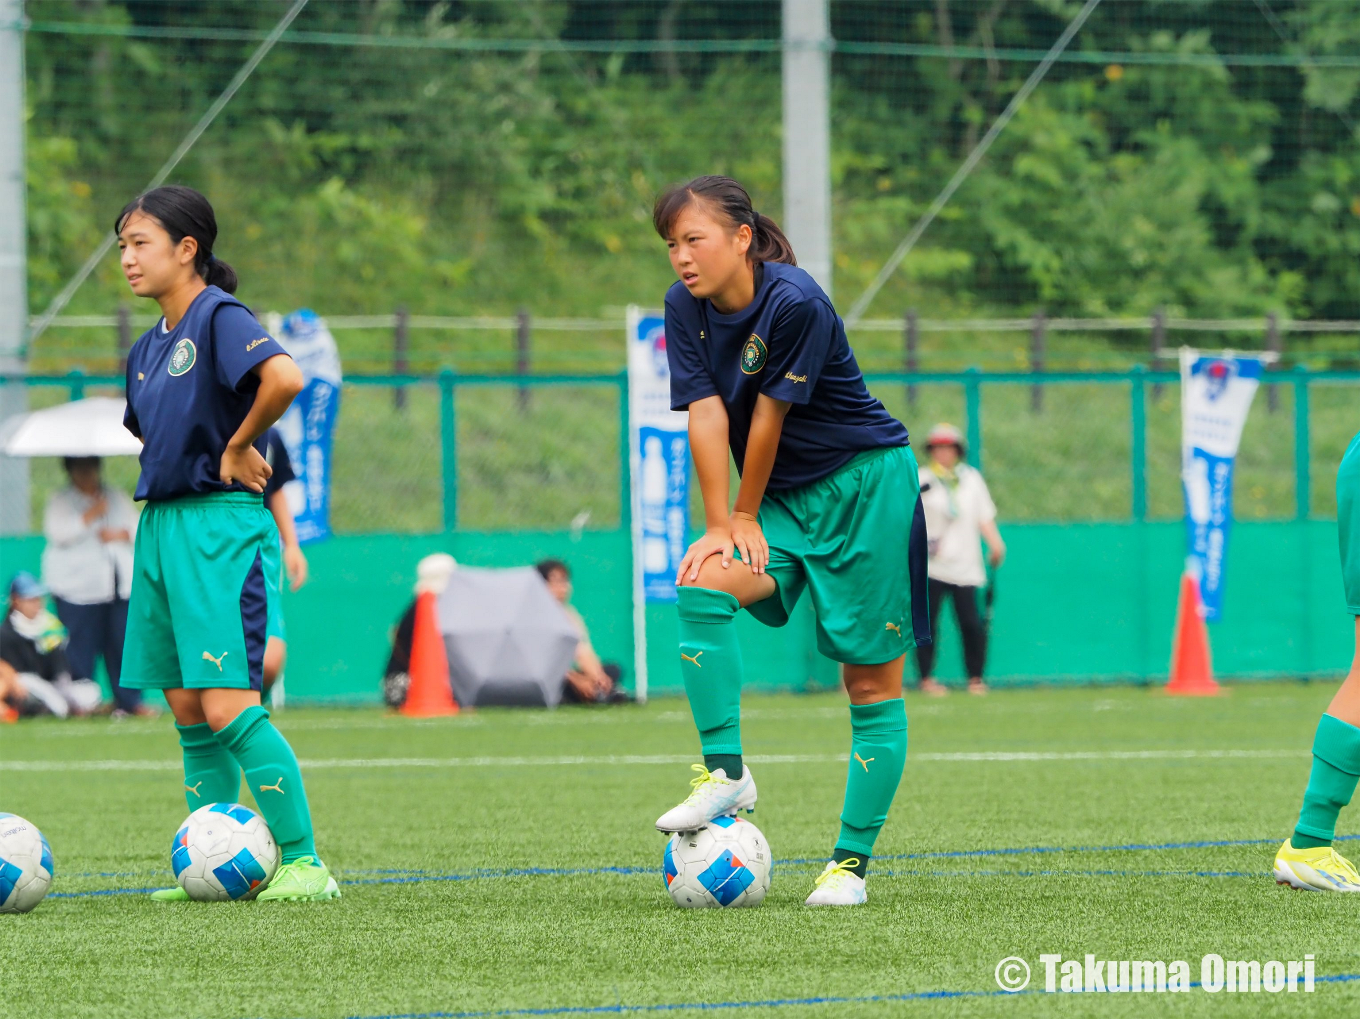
(713, 576)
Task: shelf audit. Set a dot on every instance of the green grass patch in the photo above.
(433, 918)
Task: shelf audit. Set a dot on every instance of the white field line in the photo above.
(565, 761)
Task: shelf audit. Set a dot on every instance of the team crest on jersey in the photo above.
(753, 355)
(182, 358)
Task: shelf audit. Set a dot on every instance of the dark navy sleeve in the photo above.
(799, 343)
(239, 344)
(690, 380)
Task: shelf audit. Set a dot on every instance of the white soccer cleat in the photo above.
(714, 795)
(838, 885)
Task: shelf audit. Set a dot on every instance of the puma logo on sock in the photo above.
(863, 762)
(694, 658)
(278, 786)
(194, 788)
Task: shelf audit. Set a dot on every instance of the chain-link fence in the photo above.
(547, 453)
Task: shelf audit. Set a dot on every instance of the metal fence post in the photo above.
(625, 459)
(1036, 360)
(76, 382)
(972, 401)
(1158, 343)
(1302, 508)
(910, 339)
(522, 336)
(124, 337)
(448, 449)
(1273, 345)
(400, 363)
(1303, 495)
(1138, 442)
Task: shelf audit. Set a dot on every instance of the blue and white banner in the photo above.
(308, 426)
(1216, 394)
(660, 466)
(660, 457)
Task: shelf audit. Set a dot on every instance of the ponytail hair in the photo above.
(183, 212)
(725, 198)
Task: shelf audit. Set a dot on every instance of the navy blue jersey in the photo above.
(188, 390)
(789, 344)
(276, 455)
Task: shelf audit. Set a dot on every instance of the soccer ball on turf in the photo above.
(726, 864)
(25, 865)
(224, 852)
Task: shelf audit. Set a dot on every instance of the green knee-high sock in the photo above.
(274, 779)
(878, 752)
(1336, 769)
(710, 662)
(211, 774)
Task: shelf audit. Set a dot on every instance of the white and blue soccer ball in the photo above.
(25, 865)
(726, 864)
(224, 852)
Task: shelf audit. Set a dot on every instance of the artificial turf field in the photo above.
(507, 861)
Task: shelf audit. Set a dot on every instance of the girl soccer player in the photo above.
(203, 385)
(829, 500)
(1307, 860)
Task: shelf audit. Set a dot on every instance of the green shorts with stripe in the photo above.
(205, 594)
(857, 541)
(1348, 523)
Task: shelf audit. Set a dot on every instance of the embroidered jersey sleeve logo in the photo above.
(255, 343)
(182, 358)
(753, 355)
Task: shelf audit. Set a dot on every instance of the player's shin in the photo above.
(211, 774)
(711, 666)
(274, 779)
(1331, 783)
(878, 752)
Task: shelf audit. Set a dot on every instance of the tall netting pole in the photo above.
(14, 512)
(807, 135)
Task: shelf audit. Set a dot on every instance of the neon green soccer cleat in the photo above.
(306, 879)
(1322, 869)
(176, 894)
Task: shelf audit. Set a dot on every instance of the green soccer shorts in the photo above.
(857, 541)
(1348, 523)
(205, 594)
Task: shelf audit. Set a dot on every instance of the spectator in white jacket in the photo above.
(87, 565)
(959, 515)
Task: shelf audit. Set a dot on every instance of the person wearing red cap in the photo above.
(959, 515)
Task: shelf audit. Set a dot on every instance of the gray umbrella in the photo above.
(508, 640)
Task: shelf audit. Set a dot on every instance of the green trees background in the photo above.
(1197, 155)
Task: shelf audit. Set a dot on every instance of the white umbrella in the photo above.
(92, 427)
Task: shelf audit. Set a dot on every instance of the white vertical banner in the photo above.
(1216, 395)
(660, 467)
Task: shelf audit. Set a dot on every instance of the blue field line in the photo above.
(400, 876)
(716, 1006)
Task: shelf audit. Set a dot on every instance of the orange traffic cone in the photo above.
(430, 693)
(1192, 673)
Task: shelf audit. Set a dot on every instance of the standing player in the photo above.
(1307, 860)
(203, 384)
(294, 560)
(829, 500)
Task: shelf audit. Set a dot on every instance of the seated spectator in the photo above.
(588, 681)
(33, 643)
(87, 565)
(432, 574)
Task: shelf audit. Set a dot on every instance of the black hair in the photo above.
(72, 462)
(548, 567)
(730, 200)
(183, 212)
